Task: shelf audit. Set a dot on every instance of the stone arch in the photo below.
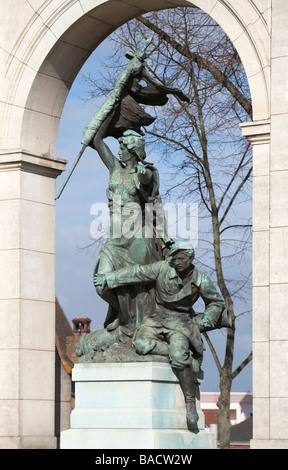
(45, 43)
(51, 49)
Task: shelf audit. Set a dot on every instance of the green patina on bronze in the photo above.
(149, 283)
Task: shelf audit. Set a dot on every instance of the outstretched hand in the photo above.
(206, 322)
(144, 174)
(99, 280)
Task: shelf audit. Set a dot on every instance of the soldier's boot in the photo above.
(191, 412)
(185, 377)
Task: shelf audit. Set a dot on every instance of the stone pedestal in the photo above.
(131, 406)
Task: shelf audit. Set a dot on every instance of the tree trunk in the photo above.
(226, 377)
(226, 370)
(224, 409)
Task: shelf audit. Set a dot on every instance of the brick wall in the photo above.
(211, 417)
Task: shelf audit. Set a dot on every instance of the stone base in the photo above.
(131, 406)
(136, 439)
(34, 442)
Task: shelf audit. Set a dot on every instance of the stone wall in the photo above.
(43, 46)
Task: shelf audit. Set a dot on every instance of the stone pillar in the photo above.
(278, 256)
(270, 252)
(258, 133)
(27, 299)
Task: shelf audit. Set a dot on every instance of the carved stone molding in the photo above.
(26, 161)
(257, 132)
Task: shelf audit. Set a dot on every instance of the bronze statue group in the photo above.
(150, 283)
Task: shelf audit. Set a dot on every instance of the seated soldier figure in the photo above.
(171, 329)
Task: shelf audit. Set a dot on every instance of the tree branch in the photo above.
(214, 354)
(235, 226)
(202, 63)
(242, 365)
(240, 165)
(234, 195)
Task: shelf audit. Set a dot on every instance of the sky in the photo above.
(76, 250)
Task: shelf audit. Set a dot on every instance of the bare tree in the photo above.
(201, 142)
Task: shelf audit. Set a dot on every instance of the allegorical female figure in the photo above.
(133, 186)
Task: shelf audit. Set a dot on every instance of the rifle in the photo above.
(135, 65)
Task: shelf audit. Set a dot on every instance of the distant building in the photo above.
(240, 416)
(240, 407)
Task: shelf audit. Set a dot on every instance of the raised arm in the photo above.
(101, 147)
